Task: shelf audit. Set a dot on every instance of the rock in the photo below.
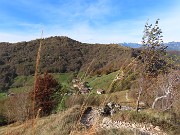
(148, 128)
(106, 111)
(112, 112)
(89, 117)
(133, 125)
(126, 108)
(157, 128)
(111, 105)
(101, 125)
(107, 120)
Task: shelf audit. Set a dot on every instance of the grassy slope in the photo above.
(25, 83)
(102, 82)
(58, 124)
(63, 123)
(64, 78)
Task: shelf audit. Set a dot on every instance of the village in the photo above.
(83, 87)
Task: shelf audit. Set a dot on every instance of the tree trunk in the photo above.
(156, 99)
(138, 99)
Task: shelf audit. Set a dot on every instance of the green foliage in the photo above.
(61, 105)
(25, 83)
(3, 96)
(154, 51)
(21, 81)
(7, 74)
(21, 84)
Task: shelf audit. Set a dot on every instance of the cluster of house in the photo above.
(84, 88)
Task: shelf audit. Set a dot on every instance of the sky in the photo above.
(89, 21)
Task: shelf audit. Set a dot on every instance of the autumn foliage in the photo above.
(47, 93)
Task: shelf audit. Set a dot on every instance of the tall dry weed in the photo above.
(35, 83)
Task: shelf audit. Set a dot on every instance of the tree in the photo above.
(48, 94)
(154, 51)
(153, 57)
(17, 107)
(166, 90)
(140, 90)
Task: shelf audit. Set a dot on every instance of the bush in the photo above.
(47, 94)
(3, 120)
(17, 107)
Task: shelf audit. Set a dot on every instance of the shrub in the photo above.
(47, 94)
(17, 107)
(3, 120)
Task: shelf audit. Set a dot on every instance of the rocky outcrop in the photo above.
(139, 128)
(91, 117)
(111, 108)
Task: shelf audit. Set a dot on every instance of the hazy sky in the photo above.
(92, 21)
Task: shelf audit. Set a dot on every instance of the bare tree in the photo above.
(166, 90)
(17, 107)
(140, 90)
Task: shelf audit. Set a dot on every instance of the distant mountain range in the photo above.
(171, 45)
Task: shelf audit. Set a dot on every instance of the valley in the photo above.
(88, 76)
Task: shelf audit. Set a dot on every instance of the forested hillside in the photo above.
(58, 54)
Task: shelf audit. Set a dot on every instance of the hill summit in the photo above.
(59, 54)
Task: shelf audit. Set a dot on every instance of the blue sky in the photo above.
(91, 21)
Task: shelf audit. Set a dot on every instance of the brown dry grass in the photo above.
(56, 124)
